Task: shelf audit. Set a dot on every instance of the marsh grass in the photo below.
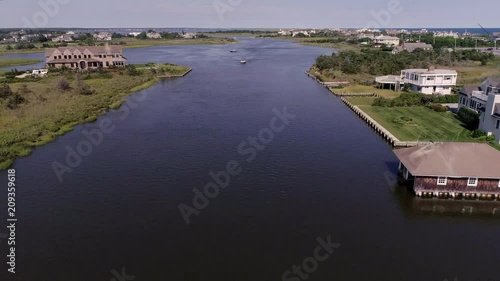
(51, 112)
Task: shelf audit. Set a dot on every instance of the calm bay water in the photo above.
(325, 174)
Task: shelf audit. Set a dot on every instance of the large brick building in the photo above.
(87, 57)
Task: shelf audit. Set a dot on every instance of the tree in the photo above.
(9, 47)
(142, 35)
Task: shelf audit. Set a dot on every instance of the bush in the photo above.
(63, 84)
(132, 71)
(14, 101)
(478, 133)
(438, 108)
(83, 89)
(5, 91)
(469, 117)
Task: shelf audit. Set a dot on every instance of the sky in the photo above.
(248, 13)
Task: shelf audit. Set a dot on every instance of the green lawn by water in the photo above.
(419, 123)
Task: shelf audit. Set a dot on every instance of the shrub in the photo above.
(82, 88)
(383, 102)
(14, 101)
(132, 71)
(63, 84)
(469, 117)
(438, 108)
(5, 91)
(478, 133)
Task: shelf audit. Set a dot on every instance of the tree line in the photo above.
(377, 62)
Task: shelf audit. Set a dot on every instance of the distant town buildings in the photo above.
(153, 35)
(63, 38)
(446, 34)
(89, 57)
(103, 36)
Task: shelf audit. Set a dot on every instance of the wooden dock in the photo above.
(176, 76)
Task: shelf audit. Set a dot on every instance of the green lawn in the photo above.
(419, 123)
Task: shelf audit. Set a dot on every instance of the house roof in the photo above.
(468, 90)
(383, 37)
(111, 49)
(413, 46)
(432, 71)
(491, 81)
(456, 160)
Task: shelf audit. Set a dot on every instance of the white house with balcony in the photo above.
(430, 81)
(386, 40)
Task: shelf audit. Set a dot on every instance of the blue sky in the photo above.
(248, 13)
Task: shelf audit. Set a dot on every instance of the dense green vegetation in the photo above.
(469, 117)
(377, 62)
(415, 99)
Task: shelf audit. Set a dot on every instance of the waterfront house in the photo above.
(426, 81)
(102, 36)
(386, 40)
(153, 35)
(489, 121)
(63, 38)
(430, 81)
(476, 97)
(88, 57)
(472, 97)
(451, 169)
(411, 47)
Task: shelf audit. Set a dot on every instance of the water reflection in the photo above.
(421, 206)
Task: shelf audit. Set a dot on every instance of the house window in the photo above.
(430, 78)
(498, 183)
(55, 57)
(442, 181)
(65, 57)
(472, 182)
(498, 124)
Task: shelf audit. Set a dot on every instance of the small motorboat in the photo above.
(233, 51)
(243, 61)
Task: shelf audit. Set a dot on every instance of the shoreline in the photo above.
(135, 45)
(27, 146)
(379, 129)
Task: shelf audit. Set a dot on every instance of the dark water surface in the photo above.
(325, 174)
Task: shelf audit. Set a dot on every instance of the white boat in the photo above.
(243, 61)
(233, 51)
